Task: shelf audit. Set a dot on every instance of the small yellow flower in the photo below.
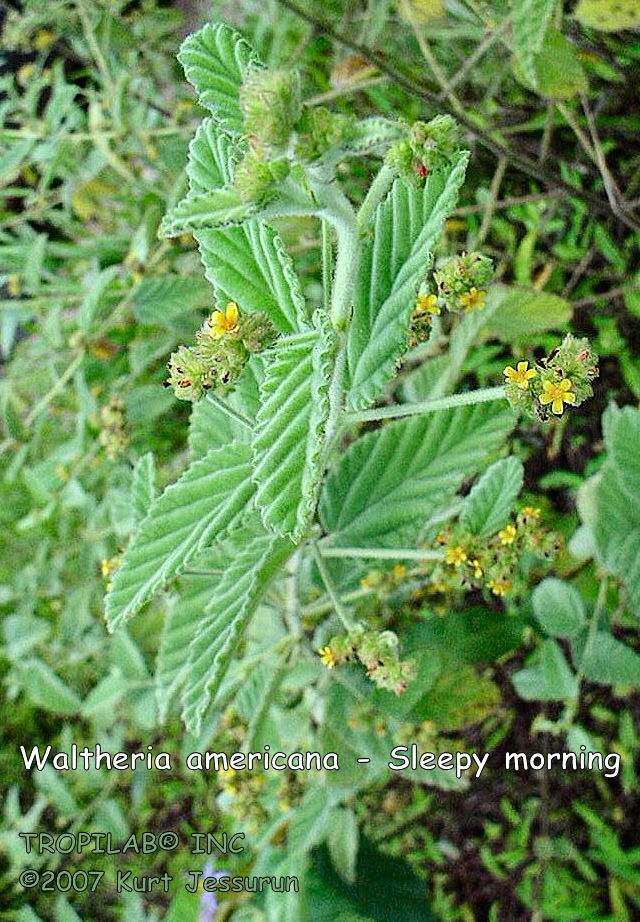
(500, 586)
(473, 298)
(399, 571)
(521, 376)
(477, 569)
(427, 304)
(507, 534)
(557, 394)
(328, 657)
(226, 322)
(456, 556)
(531, 512)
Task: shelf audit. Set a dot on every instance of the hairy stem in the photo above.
(467, 398)
(332, 592)
(381, 553)
(377, 191)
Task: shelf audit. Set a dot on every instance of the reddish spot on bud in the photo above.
(420, 168)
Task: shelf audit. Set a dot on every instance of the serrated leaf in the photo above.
(608, 15)
(521, 313)
(181, 626)
(394, 262)
(610, 662)
(558, 608)
(254, 556)
(215, 208)
(249, 263)
(530, 20)
(210, 427)
(143, 486)
(289, 432)
(488, 506)
(390, 481)
(215, 60)
(559, 73)
(159, 299)
(209, 496)
(547, 675)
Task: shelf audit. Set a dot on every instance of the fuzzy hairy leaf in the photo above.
(210, 427)
(253, 558)
(160, 299)
(248, 264)
(558, 608)
(290, 427)
(390, 481)
(394, 262)
(547, 675)
(215, 60)
(530, 19)
(611, 662)
(181, 625)
(488, 505)
(215, 208)
(143, 486)
(209, 496)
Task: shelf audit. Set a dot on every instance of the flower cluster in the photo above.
(474, 562)
(279, 127)
(113, 436)
(429, 145)
(561, 379)
(224, 344)
(461, 281)
(378, 653)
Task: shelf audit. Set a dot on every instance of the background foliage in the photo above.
(96, 121)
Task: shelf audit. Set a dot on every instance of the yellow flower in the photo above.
(226, 322)
(328, 657)
(507, 534)
(500, 586)
(427, 304)
(531, 512)
(399, 571)
(522, 376)
(557, 394)
(456, 556)
(477, 569)
(473, 298)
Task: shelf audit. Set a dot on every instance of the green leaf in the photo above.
(47, 690)
(143, 489)
(215, 60)
(253, 557)
(181, 625)
(215, 208)
(558, 608)
(488, 506)
(547, 676)
(210, 427)
(623, 444)
(609, 661)
(248, 264)
(608, 15)
(530, 19)
(559, 73)
(289, 434)
(394, 263)
(389, 482)
(209, 496)
(159, 299)
(342, 842)
(522, 313)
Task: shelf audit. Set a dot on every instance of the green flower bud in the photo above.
(271, 106)
(318, 129)
(429, 146)
(256, 178)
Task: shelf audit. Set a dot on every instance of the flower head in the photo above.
(224, 322)
(475, 297)
(507, 534)
(456, 556)
(557, 394)
(328, 657)
(520, 376)
(427, 304)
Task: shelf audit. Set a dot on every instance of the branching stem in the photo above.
(466, 398)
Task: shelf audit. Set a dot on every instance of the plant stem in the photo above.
(377, 191)
(327, 264)
(467, 398)
(331, 589)
(381, 553)
(235, 415)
